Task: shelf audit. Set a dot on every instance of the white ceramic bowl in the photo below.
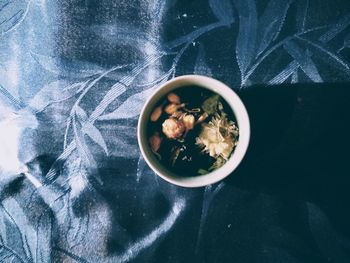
(239, 111)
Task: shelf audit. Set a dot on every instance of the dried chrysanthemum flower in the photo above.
(188, 121)
(173, 128)
(218, 137)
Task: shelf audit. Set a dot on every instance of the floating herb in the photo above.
(210, 105)
(220, 161)
(202, 172)
(175, 155)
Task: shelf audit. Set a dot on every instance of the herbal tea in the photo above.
(192, 131)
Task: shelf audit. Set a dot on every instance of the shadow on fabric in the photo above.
(299, 145)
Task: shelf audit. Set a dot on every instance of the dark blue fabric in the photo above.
(73, 77)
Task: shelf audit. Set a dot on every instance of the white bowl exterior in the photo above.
(238, 109)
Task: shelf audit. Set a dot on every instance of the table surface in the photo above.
(73, 77)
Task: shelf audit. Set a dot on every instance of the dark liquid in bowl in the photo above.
(191, 158)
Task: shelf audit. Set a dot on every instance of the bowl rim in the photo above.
(232, 100)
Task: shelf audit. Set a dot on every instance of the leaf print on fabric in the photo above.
(89, 129)
(223, 10)
(16, 232)
(7, 255)
(78, 226)
(20, 219)
(346, 43)
(7, 98)
(81, 145)
(130, 108)
(77, 111)
(94, 134)
(332, 32)
(246, 39)
(8, 233)
(72, 257)
(201, 67)
(133, 105)
(295, 77)
(66, 68)
(301, 16)
(126, 34)
(120, 87)
(81, 114)
(304, 60)
(329, 53)
(12, 13)
(274, 48)
(54, 92)
(335, 29)
(124, 142)
(190, 37)
(44, 238)
(112, 94)
(285, 73)
(271, 22)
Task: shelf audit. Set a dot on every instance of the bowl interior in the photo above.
(241, 117)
